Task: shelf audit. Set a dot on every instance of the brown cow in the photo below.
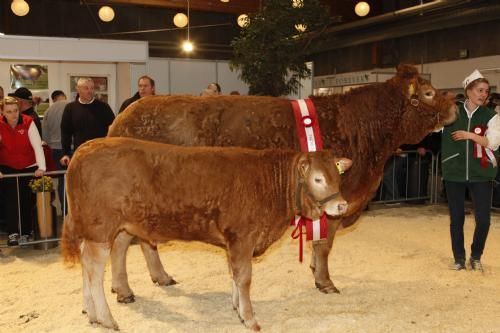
(366, 124)
(240, 199)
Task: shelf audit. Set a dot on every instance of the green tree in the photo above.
(270, 52)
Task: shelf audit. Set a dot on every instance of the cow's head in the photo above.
(424, 104)
(318, 190)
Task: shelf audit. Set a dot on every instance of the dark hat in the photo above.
(22, 93)
(56, 93)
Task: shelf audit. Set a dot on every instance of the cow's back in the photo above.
(163, 192)
(244, 121)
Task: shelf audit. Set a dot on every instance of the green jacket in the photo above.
(457, 157)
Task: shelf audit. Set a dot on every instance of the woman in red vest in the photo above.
(20, 152)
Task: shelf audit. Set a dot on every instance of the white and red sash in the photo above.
(307, 125)
(309, 136)
(315, 230)
(483, 153)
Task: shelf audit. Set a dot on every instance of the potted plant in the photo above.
(43, 188)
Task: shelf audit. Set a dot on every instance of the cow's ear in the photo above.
(303, 166)
(343, 164)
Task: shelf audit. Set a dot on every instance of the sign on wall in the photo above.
(29, 76)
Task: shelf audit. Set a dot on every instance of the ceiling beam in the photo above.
(233, 7)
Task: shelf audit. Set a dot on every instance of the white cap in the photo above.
(473, 76)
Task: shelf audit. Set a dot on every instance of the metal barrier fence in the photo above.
(409, 177)
(43, 215)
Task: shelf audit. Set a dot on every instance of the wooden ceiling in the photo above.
(232, 6)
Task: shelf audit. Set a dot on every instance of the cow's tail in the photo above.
(70, 242)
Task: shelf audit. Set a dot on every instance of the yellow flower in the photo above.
(42, 184)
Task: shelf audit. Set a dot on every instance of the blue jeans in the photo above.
(481, 199)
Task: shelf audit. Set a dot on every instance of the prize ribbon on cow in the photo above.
(307, 123)
(315, 230)
(483, 153)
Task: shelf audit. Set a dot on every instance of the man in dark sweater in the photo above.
(146, 86)
(84, 119)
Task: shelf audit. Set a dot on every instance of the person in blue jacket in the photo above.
(468, 162)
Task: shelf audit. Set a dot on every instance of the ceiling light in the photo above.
(106, 14)
(297, 3)
(224, 0)
(243, 20)
(20, 7)
(187, 46)
(362, 8)
(300, 27)
(180, 20)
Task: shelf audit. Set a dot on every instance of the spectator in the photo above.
(468, 162)
(20, 152)
(51, 127)
(234, 92)
(1, 92)
(84, 119)
(215, 87)
(146, 88)
(25, 100)
(208, 92)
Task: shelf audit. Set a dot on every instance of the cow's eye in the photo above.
(318, 180)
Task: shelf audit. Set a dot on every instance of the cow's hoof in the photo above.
(328, 289)
(252, 324)
(126, 299)
(165, 282)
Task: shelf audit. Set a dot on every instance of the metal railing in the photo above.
(44, 213)
(409, 177)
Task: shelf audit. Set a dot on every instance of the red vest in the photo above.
(15, 147)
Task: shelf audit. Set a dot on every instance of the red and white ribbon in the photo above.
(483, 153)
(315, 230)
(307, 125)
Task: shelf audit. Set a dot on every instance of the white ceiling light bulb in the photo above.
(224, 0)
(297, 3)
(187, 46)
(20, 7)
(106, 14)
(180, 20)
(243, 20)
(362, 8)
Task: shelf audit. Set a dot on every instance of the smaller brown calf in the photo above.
(240, 199)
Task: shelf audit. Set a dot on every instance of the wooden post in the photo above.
(44, 213)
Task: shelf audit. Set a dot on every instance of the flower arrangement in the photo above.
(42, 184)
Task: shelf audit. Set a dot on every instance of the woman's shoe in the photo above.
(13, 240)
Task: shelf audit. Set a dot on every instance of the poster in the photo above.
(33, 77)
(100, 86)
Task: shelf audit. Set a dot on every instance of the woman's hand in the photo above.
(461, 135)
(39, 173)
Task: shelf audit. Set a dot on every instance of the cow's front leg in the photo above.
(94, 256)
(119, 277)
(319, 260)
(240, 261)
(158, 274)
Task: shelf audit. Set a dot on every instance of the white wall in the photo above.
(449, 75)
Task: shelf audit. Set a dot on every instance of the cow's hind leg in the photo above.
(240, 261)
(158, 274)
(94, 256)
(119, 277)
(319, 260)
